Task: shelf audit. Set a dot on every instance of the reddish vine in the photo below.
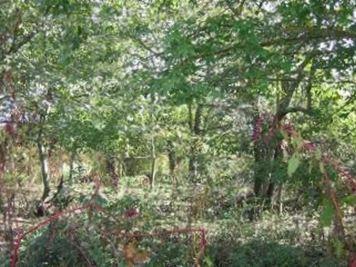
(14, 257)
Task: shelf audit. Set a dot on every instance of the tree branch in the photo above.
(236, 11)
(297, 109)
(312, 34)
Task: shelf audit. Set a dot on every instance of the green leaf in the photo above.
(327, 213)
(350, 200)
(208, 261)
(338, 247)
(293, 164)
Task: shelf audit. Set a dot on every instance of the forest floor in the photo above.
(228, 224)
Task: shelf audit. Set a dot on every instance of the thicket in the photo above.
(177, 133)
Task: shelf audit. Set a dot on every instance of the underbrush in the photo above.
(167, 227)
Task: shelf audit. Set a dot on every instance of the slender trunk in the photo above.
(272, 192)
(119, 168)
(339, 228)
(71, 167)
(192, 158)
(3, 148)
(172, 158)
(259, 173)
(153, 121)
(279, 198)
(195, 149)
(190, 116)
(193, 168)
(43, 157)
(153, 163)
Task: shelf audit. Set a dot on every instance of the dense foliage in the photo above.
(195, 132)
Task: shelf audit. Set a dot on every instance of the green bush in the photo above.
(259, 253)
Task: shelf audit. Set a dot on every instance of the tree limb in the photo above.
(296, 109)
(312, 34)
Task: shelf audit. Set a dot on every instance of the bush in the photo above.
(259, 253)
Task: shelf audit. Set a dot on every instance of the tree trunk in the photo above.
(195, 148)
(277, 201)
(171, 157)
(119, 170)
(153, 163)
(273, 152)
(110, 167)
(269, 152)
(71, 167)
(43, 157)
(3, 148)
